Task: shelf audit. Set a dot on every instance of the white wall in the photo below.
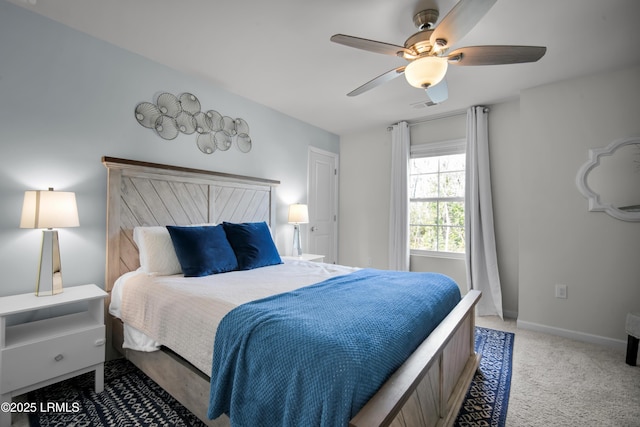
(544, 233)
(365, 166)
(442, 129)
(365, 161)
(365, 196)
(68, 99)
(504, 148)
(595, 255)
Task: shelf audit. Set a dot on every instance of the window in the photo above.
(436, 197)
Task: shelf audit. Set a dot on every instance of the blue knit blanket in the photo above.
(315, 356)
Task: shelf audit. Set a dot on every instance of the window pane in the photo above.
(423, 186)
(423, 237)
(451, 239)
(424, 165)
(451, 213)
(423, 213)
(437, 224)
(452, 184)
(453, 162)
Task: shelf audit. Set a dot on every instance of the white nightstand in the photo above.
(36, 354)
(308, 257)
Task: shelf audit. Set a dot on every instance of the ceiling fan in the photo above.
(428, 50)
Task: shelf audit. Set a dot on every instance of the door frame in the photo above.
(336, 198)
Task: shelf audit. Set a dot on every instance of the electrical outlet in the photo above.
(561, 291)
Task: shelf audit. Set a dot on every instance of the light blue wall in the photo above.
(67, 99)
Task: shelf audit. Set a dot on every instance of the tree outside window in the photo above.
(436, 208)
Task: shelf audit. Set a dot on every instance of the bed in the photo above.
(426, 390)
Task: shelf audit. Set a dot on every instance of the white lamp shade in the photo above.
(298, 214)
(426, 71)
(49, 209)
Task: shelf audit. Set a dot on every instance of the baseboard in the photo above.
(575, 335)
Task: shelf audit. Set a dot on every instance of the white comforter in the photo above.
(183, 313)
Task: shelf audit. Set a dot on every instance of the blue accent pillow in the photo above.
(252, 244)
(202, 250)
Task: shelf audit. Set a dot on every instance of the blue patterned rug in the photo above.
(130, 398)
(488, 397)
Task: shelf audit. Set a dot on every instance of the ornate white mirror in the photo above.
(610, 179)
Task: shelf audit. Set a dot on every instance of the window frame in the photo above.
(436, 149)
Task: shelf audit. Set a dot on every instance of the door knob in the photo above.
(313, 228)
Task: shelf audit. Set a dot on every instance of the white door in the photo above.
(322, 229)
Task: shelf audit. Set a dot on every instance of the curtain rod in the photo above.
(443, 116)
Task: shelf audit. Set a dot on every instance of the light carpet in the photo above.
(557, 381)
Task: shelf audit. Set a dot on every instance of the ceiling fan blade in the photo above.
(496, 55)
(370, 45)
(459, 21)
(438, 93)
(382, 78)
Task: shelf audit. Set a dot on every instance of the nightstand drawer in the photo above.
(28, 364)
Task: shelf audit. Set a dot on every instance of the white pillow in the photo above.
(156, 251)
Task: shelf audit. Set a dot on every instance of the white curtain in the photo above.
(481, 257)
(399, 212)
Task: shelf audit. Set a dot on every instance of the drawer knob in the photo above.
(100, 342)
(59, 357)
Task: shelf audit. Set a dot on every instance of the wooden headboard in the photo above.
(146, 194)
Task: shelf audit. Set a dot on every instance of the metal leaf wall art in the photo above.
(172, 115)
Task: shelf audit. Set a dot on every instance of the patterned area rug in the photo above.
(130, 398)
(488, 397)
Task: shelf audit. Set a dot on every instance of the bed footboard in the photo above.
(426, 391)
(429, 388)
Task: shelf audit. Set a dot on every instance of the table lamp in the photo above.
(298, 214)
(48, 210)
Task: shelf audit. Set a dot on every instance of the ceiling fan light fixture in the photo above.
(426, 71)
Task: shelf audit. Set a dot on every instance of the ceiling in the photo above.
(278, 53)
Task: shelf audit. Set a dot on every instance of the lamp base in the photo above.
(297, 247)
(50, 272)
